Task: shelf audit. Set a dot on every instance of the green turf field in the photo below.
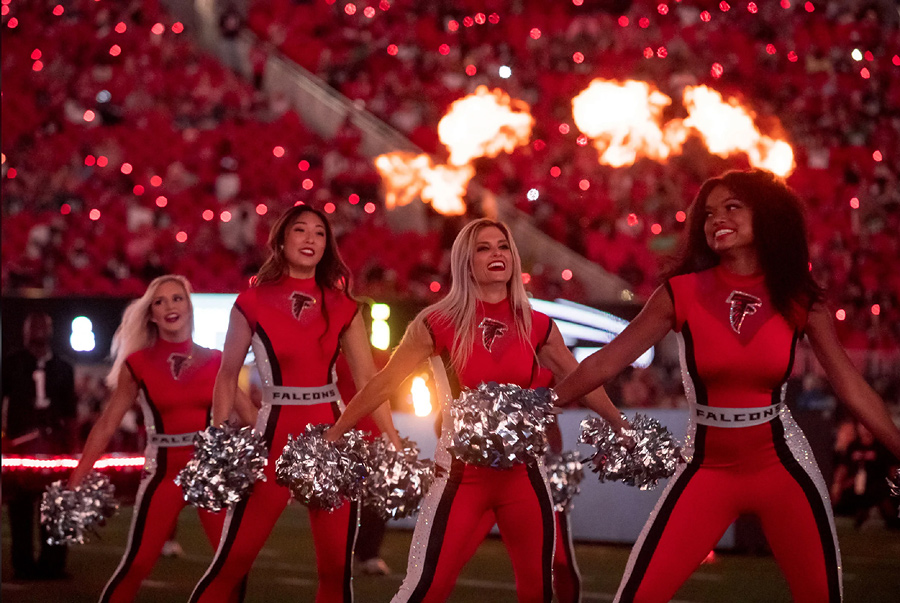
(285, 570)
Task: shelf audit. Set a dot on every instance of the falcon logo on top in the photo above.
(742, 306)
(177, 364)
(300, 302)
(491, 330)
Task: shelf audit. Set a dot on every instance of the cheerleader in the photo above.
(740, 299)
(484, 330)
(298, 316)
(157, 362)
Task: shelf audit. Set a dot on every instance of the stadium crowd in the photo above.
(128, 153)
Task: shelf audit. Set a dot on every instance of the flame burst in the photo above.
(726, 128)
(421, 397)
(624, 119)
(408, 176)
(482, 124)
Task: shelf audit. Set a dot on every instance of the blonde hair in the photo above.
(458, 308)
(136, 331)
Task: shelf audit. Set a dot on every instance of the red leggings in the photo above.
(156, 509)
(248, 525)
(701, 502)
(566, 576)
(460, 505)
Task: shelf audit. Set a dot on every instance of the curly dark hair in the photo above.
(779, 236)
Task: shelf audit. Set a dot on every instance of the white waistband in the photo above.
(170, 440)
(735, 417)
(301, 396)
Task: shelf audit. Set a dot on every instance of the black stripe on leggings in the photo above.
(140, 524)
(224, 548)
(648, 547)
(237, 515)
(569, 550)
(817, 506)
(655, 533)
(437, 532)
(548, 524)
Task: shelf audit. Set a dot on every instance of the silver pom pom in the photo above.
(68, 514)
(323, 474)
(398, 480)
(227, 462)
(500, 425)
(564, 474)
(640, 457)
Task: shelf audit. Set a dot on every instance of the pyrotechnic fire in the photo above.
(421, 397)
(408, 176)
(624, 119)
(482, 124)
(727, 128)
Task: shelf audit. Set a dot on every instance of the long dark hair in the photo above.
(779, 236)
(331, 271)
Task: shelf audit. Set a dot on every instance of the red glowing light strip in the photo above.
(24, 463)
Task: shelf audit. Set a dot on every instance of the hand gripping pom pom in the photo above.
(322, 474)
(640, 457)
(227, 462)
(68, 514)
(564, 474)
(500, 425)
(398, 480)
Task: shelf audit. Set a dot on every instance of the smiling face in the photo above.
(729, 222)
(170, 310)
(304, 244)
(492, 257)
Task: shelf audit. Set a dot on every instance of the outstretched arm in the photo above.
(237, 340)
(355, 346)
(848, 383)
(648, 327)
(121, 400)
(415, 347)
(557, 357)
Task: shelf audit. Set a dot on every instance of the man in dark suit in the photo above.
(38, 390)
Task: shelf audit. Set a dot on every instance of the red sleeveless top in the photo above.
(177, 382)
